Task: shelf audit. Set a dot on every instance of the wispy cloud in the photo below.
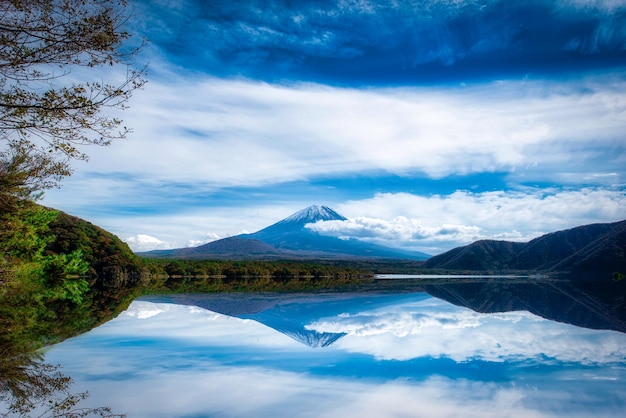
(221, 146)
(188, 131)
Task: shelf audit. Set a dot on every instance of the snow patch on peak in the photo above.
(314, 213)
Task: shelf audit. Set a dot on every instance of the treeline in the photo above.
(225, 276)
(241, 269)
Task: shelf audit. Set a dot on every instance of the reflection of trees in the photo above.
(31, 387)
(28, 385)
(30, 318)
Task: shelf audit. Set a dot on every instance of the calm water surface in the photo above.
(376, 354)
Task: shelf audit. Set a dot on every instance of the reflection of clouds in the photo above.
(190, 323)
(437, 329)
(254, 392)
(144, 311)
(399, 324)
(166, 360)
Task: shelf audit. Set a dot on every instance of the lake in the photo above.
(473, 347)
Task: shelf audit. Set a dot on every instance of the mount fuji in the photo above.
(291, 239)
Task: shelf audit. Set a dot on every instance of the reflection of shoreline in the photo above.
(589, 303)
(455, 276)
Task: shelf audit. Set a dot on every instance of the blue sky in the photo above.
(428, 124)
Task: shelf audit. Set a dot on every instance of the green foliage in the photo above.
(103, 251)
(45, 297)
(167, 275)
(24, 234)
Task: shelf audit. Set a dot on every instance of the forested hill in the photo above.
(109, 258)
(59, 276)
(588, 248)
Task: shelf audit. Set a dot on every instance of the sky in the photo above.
(428, 124)
(401, 355)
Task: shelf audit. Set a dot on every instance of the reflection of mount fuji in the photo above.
(265, 309)
(295, 330)
(288, 314)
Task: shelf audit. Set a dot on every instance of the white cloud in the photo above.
(143, 242)
(220, 133)
(435, 223)
(397, 231)
(608, 6)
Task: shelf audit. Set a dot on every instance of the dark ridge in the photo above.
(588, 248)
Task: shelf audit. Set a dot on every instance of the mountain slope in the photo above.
(481, 255)
(232, 246)
(291, 239)
(291, 234)
(609, 252)
(595, 247)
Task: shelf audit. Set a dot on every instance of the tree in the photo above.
(46, 112)
(54, 58)
(29, 387)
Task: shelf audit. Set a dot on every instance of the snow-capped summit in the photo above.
(291, 236)
(283, 231)
(313, 213)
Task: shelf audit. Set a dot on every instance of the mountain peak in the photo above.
(313, 213)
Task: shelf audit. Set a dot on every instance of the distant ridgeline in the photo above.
(589, 248)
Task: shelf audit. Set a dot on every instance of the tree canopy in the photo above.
(49, 105)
